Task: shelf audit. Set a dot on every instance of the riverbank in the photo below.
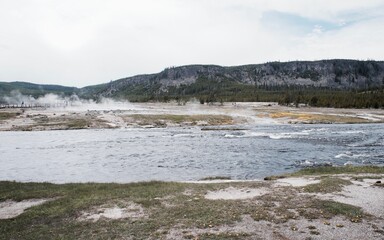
(147, 115)
(316, 203)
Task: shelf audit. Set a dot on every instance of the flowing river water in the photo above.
(183, 154)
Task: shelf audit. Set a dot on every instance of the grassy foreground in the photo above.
(168, 206)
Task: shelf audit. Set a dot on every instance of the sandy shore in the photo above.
(126, 115)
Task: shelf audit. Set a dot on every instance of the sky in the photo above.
(87, 42)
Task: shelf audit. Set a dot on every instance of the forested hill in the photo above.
(273, 81)
(34, 90)
(332, 74)
(330, 83)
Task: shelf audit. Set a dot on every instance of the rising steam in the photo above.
(68, 102)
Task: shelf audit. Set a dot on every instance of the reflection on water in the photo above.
(177, 154)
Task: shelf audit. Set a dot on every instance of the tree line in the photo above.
(208, 90)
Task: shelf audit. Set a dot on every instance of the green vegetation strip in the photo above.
(159, 119)
(329, 170)
(327, 185)
(339, 170)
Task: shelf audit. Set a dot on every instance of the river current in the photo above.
(184, 154)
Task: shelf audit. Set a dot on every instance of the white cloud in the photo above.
(83, 42)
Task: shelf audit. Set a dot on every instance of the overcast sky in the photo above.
(86, 42)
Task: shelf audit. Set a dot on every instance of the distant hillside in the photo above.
(192, 79)
(330, 83)
(34, 90)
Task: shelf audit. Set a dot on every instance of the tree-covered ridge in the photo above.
(325, 83)
(208, 90)
(335, 74)
(35, 90)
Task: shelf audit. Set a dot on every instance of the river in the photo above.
(184, 154)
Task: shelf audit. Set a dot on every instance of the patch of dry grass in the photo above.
(43, 122)
(5, 115)
(67, 124)
(327, 170)
(318, 118)
(168, 119)
(219, 236)
(327, 185)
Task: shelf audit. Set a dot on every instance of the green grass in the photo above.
(163, 119)
(219, 236)
(316, 209)
(215, 178)
(8, 115)
(78, 124)
(329, 170)
(331, 208)
(271, 178)
(327, 185)
(57, 218)
(339, 170)
(59, 124)
(63, 123)
(167, 205)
